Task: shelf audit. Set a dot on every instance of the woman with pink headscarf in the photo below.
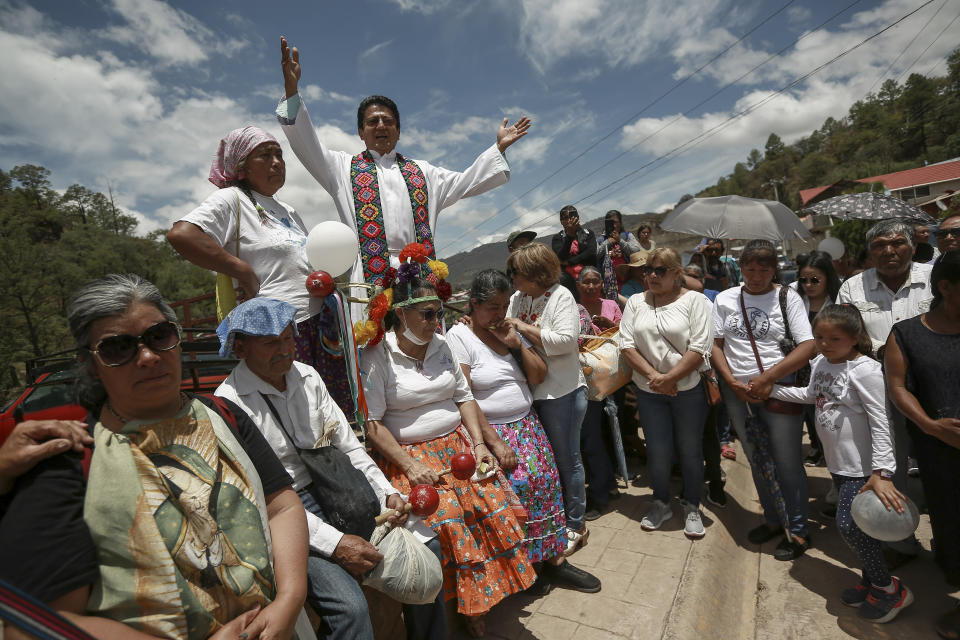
(242, 230)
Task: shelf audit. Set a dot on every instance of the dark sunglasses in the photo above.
(811, 280)
(660, 271)
(430, 315)
(948, 233)
(114, 351)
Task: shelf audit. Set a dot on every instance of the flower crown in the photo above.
(414, 262)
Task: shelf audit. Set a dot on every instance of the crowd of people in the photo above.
(173, 515)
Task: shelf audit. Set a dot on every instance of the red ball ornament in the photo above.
(463, 465)
(320, 284)
(424, 500)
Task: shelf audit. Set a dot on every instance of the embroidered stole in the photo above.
(366, 205)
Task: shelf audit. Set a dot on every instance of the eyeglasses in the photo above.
(660, 271)
(948, 233)
(115, 351)
(811, 280)
(430, 315)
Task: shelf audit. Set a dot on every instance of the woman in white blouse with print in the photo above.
(422, 413)
(666, 335)
(546, 314)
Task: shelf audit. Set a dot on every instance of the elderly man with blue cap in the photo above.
(288, 401)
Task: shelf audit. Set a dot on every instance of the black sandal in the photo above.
(790, 549)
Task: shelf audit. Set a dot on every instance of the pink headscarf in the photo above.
(236, 146)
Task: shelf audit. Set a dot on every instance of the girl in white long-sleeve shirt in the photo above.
(847, 388)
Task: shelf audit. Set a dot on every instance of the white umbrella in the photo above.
(735, 217)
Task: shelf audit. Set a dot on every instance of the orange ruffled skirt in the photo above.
(483, 556)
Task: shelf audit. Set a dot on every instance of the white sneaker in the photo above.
(576, 539)
(658, 514)
(692, 524)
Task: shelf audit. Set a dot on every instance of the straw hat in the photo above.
(637, 259)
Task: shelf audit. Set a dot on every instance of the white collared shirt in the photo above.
(881, 307)
(308, 412)
(415, 401)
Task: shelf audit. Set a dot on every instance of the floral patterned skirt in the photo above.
(484, 560)
(537, 484)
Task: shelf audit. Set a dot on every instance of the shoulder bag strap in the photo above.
(783, 311)
(746, 323)
(276, 415)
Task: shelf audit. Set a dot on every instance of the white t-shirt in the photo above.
(415, 402)
(498, 383)
(559, 322)
(851, 415)
(686, 322)
(766, 320)
(274, 245)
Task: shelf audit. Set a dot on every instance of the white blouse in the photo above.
(498, 383)
(416, 402)
(686, 323)
(559, 323)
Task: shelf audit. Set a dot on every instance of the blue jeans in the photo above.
(338, 599)
(562, 418)
(786, 435)
(674, 423)
(594, 452)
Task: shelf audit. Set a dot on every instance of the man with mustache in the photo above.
(390, 200)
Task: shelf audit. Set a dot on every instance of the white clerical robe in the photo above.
(332, 170)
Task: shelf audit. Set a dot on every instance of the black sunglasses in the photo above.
(811, 280)
(660, 271)
(948, 233)
(430, 315)
(114, 351)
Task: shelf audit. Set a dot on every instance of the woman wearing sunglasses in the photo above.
(666, 335)
(422, 413)
(186, 526)
(817, 285)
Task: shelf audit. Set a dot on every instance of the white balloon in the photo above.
(878, 523)
(833, 246)
(332, 247)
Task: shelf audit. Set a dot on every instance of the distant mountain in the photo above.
(493, 255)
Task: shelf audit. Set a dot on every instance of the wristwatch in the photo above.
(883, 473)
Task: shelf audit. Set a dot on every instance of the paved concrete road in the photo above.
(659, 585)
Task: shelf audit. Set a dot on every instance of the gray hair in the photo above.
(105, 297)
(488, 283)
(890, 228)
(695, 270)
(587, 271)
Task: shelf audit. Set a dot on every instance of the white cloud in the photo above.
(316, 93)
(799, 15)
(422, 6)
(373, 50)
(620, 32)
(169, 35)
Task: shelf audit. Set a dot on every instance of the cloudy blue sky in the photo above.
(137, 93)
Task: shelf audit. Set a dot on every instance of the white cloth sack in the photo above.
(409, 572)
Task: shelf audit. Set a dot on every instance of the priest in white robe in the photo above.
(397, 206)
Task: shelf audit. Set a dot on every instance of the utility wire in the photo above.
(922, 53)
(904, 50)
(695, 141)
(633, 117)
(695, 107)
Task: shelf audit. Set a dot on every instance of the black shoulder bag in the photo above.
(788, 344)
(348, 501)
